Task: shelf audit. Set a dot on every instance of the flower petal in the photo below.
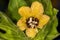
(37, 8)
(24, 11)
(30, 32)
(43, 20)
(21, 24)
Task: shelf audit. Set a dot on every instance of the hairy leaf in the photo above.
(9, 31)
(13, 7)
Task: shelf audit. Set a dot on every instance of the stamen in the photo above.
(32, 22)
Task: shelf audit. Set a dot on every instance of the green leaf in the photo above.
(5, 20)
(55, 11)
(12, 31)
(13, 7)
(11, 34)
(47, 7)
(53, 33)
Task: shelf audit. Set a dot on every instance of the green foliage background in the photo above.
(49, 32)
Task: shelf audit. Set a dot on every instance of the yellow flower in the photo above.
(32, 19)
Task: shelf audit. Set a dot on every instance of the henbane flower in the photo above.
(32, 19)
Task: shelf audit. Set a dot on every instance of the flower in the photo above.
(32, 18)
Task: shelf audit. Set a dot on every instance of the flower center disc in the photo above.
(32, 22)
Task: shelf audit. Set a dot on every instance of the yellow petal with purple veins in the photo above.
(24, 11)
(37, 8)
(30, 32)
(21, 24)
(43, 20)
